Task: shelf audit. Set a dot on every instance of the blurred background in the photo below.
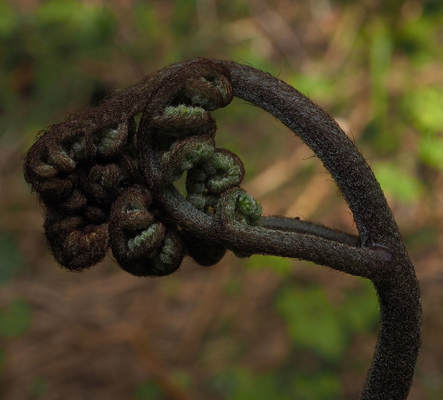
(258, 328)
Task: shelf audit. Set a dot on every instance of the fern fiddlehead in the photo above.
(97, 189)
(106, 182)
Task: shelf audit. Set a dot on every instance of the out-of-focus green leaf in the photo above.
(69, 11)
(415, 37)
(425, 108)
(11, 260)
(241, 384)
(234, 9)
(433, 386)
(183, 19)
(38, 389)
(280, 265)
(225, 382)
(360, 311)
(314, 86)
(148, 391)
(312, 321)
(423, 237)
(431, 150)
(15, 318)
(237, 112)
(2, 359)
(246, 53)
(257, 388)
(83, 26)
(324, 386)
(8, 19)
(382, 139)
(61, 10)
(146, 20)
(397, 183)
(181, 378)
(380, 57)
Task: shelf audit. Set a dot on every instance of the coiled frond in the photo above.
(98, 174)
(105, 182)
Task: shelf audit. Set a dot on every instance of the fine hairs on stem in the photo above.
(107, 182)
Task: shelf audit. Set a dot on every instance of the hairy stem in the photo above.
(392, 369)
(353, 260)
(297, 225)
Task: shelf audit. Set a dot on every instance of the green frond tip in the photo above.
(168, 251)
(169, 257)
(198, 152)
(220, 161)
(182, 158)
(183, 111)
(249, 208)
(224, 170)
(238, 207)
(143, 238)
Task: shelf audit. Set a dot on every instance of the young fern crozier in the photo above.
(106, 182)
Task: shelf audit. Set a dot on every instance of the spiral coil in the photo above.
(98, 176)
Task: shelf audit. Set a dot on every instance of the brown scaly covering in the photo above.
(105, 182)
(95, 175)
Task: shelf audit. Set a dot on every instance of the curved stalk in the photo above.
(297, 225)
(392, 369)
(248, 239)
